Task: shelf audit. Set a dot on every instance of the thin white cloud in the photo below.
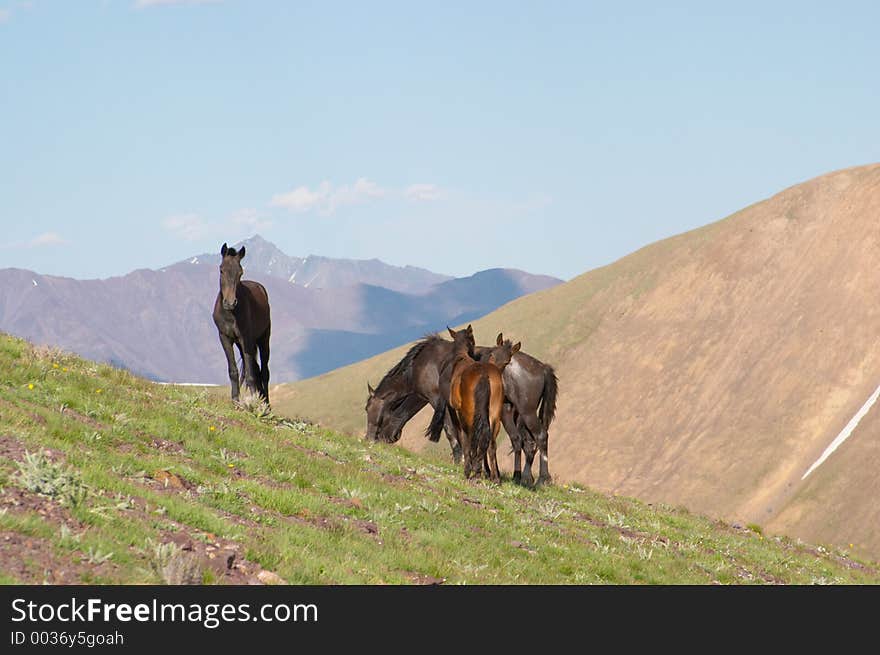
(362, 191)
(146, 4)
(249, 220)
(194, 227)
(423, 192)
(45, 239)
(302, 199)
(326, 199)
(189, 227)
(5, 15)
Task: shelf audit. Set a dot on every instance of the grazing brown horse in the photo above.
(241, 314)
(476, 394)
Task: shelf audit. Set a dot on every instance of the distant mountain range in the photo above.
(325, 312)
(317, 272)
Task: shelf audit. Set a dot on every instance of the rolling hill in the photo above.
(157, 323)
(710, 369)
(106, 478)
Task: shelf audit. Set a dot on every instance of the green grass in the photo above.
(99, 481)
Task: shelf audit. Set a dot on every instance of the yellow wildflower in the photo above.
(30, 386)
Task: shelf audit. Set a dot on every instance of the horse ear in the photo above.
(371, 390)
(223, 250)
(241, 253)
(451, 332)
(516, 348)
(500, 339)
(470, 329)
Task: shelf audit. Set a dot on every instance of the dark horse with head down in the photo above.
(411, 384)
(241, 314)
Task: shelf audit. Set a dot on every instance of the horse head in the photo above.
(503, 351)
(463, 340)
(230, 275)
(375, 409)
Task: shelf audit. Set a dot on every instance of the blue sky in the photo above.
(549, 136)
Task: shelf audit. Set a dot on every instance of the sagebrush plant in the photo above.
(96, 556)
(253, 404)
(173, 565)
(38, 473)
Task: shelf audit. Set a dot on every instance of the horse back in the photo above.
(258, 295)
(257, 299)
(471, 375)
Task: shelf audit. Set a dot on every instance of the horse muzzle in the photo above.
(229, 306)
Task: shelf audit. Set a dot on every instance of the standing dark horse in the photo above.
(241, 314)
(408, 386)
(476, 396)
(530, 389)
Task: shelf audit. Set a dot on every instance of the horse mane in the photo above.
(404, 366)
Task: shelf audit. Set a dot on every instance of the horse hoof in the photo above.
(545, 479)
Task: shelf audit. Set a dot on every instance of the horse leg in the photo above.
(515, 439)
(263, 345)
(544, 476)
(494, 474)
(539, 435)
(226, 342)
(529, 452)
(466, 451)
(251, 370)
(453, 432)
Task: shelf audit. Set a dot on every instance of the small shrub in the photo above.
(95, 556)
(176, 566)
(41, 475)
(252, 403)
(67, 537)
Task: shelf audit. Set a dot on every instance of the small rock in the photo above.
(269, 578)
(169, 479)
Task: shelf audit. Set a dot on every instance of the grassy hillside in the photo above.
(107, 478)
(710, 369)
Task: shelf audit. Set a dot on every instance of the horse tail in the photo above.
(482, 427)
(548, 397)
(436, 426)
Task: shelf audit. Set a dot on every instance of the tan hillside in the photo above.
(710, 369)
